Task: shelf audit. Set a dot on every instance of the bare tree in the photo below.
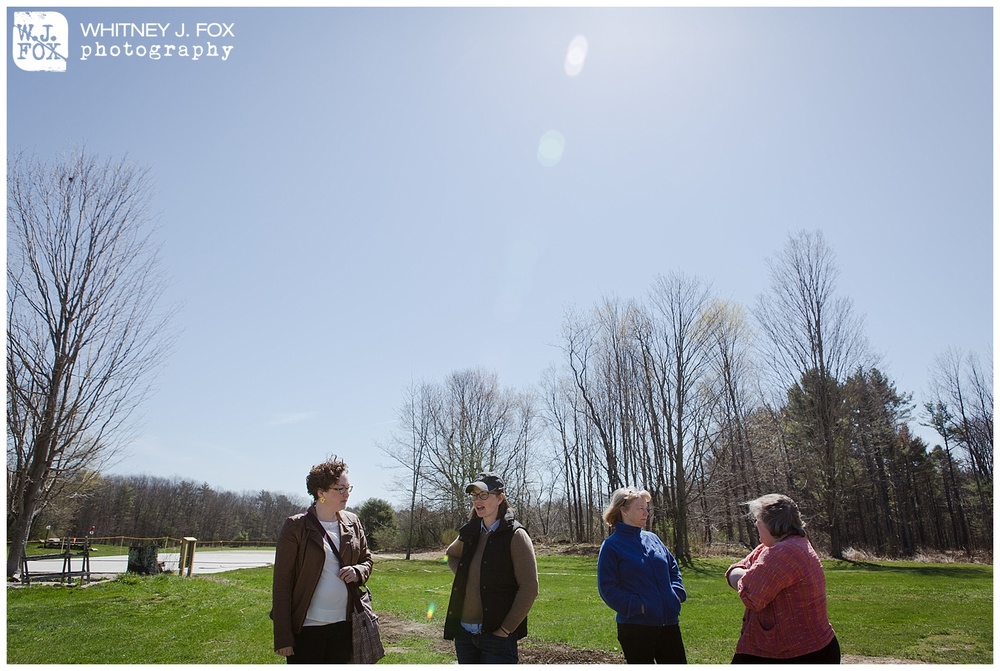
(568, 426)
(472, 425)
(685, 337)
(960, 383)
(812, 333)
(962, 411)
(85, 328)
(598, 359)
(734, 454)
(409, 447)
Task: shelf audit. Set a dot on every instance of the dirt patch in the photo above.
(395, 629)
(529, 652)
(423, 555)
(858, 659)
(575, 549)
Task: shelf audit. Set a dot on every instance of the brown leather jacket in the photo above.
(298, 562)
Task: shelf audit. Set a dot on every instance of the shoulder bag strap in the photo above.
(353, 589)
(319, 525)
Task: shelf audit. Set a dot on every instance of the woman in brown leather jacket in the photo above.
(310, 602)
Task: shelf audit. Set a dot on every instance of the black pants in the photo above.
(644, 644)
(327, 644)
(830, 654)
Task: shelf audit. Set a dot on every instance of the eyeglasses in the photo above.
(341, 490)
(482, 496)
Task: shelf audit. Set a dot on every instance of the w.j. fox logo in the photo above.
(40, 41)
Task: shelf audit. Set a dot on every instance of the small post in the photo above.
(187, 555)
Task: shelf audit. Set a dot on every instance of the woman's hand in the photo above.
(285, 652)
(500, 633)
(348, 574)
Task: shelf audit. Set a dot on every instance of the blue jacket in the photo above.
(639, 578)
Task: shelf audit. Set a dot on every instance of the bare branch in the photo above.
(85, 328)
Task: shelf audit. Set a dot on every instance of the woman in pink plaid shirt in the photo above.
(783, 587)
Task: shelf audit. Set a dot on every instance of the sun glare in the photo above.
(576, 55)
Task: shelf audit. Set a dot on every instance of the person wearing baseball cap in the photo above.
(496, 578)
(486, 482)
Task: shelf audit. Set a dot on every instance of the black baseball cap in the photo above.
(488, 482)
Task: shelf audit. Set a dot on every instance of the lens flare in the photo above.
(550, 148)
(576, 55)
(430, 611)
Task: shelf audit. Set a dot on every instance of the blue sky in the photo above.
(356, 198)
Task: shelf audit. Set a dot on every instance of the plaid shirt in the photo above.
(784, 591)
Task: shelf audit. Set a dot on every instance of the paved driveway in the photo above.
(205, 561)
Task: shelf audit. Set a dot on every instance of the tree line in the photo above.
(707, 404)
(145, 506)
(151, 507)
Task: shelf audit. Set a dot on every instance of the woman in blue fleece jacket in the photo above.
(639, 578)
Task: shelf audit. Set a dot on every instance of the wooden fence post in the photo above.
(187, 555)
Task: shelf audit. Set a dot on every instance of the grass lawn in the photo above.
(939, 613)
(217, 618)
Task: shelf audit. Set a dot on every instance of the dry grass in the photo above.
(924, 556)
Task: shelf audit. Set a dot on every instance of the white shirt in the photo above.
(329, 601)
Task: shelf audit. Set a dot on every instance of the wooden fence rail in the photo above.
(162, 542)
(67, 573)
